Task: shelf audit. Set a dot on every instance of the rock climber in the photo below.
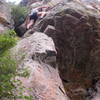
(34, 15)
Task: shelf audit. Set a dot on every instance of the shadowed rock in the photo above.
(76, 37)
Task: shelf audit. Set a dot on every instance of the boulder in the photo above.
(77, 41)
(75, 29)
(21, 30)
(5, 17)
(38, 54)
(2, 28)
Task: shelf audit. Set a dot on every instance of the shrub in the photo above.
(7, 64)
(7, 40)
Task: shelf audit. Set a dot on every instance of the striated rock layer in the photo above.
(75, 29)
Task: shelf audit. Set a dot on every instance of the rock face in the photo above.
(29, 2)
(75, 29)
(5, 17)
(38, 54)
(50, 2)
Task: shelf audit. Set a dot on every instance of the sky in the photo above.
(16, 1)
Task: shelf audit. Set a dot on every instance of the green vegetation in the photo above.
(19, 14)
(7, 41)
(24, 72)
(7, 64)
(10, 87)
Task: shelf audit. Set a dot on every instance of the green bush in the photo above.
(7, 40)
(7, 64)
(19, 14)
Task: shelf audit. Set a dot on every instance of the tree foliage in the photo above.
(19, 14)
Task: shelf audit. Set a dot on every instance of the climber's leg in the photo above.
(30, 24)
(27, 21)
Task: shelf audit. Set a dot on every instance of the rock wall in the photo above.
(75, 29)
(5, 17)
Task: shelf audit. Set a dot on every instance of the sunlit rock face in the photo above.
(37, 53)
(5, 17)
